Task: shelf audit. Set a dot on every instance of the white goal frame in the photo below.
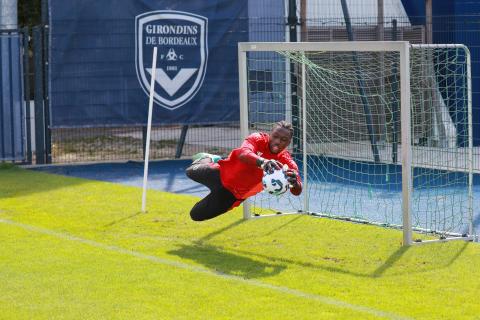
(403, 49)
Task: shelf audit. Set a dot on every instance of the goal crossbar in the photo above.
(403, 50)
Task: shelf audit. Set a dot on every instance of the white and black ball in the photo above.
(275, 183)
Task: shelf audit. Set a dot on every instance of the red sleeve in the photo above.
(248, 150)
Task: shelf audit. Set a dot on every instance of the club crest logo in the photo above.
(182, 54)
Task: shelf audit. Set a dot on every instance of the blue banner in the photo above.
(101, 61)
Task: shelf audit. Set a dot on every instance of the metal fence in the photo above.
(176, 141)
(127, 143)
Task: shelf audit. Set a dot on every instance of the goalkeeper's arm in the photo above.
(249, 157)
(246, 154)
(268, 165)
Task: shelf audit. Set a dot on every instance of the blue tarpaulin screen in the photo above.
(101, 56)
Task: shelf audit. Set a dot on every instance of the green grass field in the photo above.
(79, 249)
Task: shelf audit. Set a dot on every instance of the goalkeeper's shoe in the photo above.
(202, 155)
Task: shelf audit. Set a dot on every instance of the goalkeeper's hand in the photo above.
(271, 165)
(291, 177)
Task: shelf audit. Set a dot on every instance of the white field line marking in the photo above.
(184, 266)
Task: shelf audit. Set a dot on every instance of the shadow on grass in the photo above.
(229, 263)
(221, 260)
(212, 256)
(389, 263)
(219, 231)
(397, 255)
(283, 225)
(164, 175)
(122, 219)
(20, 182)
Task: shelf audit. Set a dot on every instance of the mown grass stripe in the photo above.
(180, 265)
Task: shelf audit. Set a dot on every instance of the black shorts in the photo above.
(219, 200)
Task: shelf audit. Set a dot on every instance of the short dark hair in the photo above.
(285, 125)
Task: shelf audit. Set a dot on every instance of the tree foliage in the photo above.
(29, 13)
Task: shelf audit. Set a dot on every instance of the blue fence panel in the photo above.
(12, 127)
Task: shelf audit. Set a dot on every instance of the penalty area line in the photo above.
(185, 266)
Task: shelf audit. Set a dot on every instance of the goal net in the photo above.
(382, 130)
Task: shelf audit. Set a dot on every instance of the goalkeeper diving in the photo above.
(239, 176)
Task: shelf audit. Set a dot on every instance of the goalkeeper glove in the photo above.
(271, 165)
(291, 177)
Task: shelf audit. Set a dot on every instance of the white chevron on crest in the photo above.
(171, 86)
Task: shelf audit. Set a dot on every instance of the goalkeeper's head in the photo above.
(280, 136)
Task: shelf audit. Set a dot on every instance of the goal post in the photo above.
(355, 116)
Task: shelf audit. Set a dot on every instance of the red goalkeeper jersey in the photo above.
(244, 180)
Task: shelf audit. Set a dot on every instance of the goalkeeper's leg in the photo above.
(202, 155)
(216, 203)
(220, 200)
(205, 172)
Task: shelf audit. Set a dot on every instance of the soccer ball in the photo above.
(275, 183)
